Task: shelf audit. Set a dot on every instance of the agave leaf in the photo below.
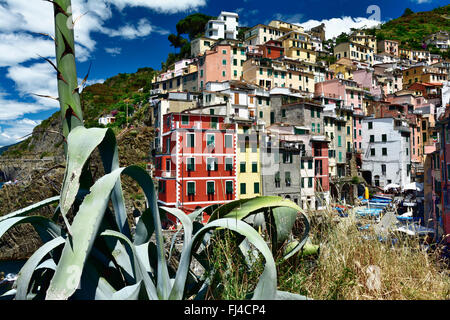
(141, 273)
(84, 230)
(266, 287)
(81, 143)
(110, 157)
(284, 218)
(46, 229)
(128, 293)
(25, 274)
(283, 295)
(9, 295)
(242, 208)
(121, 255)
(300, 242)
(30, 209)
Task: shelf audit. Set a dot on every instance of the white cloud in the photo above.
(335, 26)
(12, 132)
(21, 21)
(422, 1)
(20, 47)
(165, 6)
(131, 32)
(114, 51)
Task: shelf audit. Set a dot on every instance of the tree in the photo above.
(193, 25)
(407, 12)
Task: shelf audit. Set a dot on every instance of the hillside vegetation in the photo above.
(411, 28)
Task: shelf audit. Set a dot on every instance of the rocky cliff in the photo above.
(42, 181)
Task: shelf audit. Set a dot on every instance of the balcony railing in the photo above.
(169, 174)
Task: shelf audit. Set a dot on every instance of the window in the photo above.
(384, 137)
(372, 138)
(254, 167)
(370, 125)
(213, 122)
(310, 182)
(191, 188)
(277, 180)
(212, 164)
(383, 169)
(210, 187)
(161, 186)
(384, 151)
(372, 152)
(318, 128)
(191, 140)
(243, 166)
(229, 164)
(448, 171)
(210, 140)
(348, 131)
(243, 188)
(312, 113)
(256, 187)
(185, 120)
(224, 51)
(310, 164)
(224, 62)
(287, 179)
(313, 129)
(228, 141)
(339, 141)
(190, 166)
(229, 187)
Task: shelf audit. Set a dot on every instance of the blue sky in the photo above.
(120, 36)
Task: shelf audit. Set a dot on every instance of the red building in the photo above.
(197, 166)
(272, 49)
(321, 164)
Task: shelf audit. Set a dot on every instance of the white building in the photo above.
(225, 27)
(386, 151)
(105, 120)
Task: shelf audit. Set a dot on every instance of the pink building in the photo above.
(388, 46)
(215, 65)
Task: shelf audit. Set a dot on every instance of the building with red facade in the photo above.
(197, 165)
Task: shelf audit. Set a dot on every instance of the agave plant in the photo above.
(94, 254)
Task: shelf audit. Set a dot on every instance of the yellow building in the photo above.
(262, 33)
(248, 162)
(362, 38)
(354, 51)
(200, 45)
(238, 57)
(284, 73)
(424, 74)
(182, 78)
(298, 45)
(345, 67)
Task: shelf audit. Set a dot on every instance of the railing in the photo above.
(169, 174)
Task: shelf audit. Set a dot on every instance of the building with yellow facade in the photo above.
(248, 161)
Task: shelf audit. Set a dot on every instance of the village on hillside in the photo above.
(267, 115)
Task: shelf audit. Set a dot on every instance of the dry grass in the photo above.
(350, 267)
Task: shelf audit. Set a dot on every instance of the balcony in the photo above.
(169, 174)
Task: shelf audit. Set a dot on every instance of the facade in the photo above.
(181, 76)
(197, 164)
(279, 73)
(354, 51)
(386, 151)
(440, 40)
(389, 46)
(424, 74)
(248, 161)
(224, 27)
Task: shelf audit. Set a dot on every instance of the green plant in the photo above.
(95, 254)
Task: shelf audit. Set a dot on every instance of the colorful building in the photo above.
(197, 166)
